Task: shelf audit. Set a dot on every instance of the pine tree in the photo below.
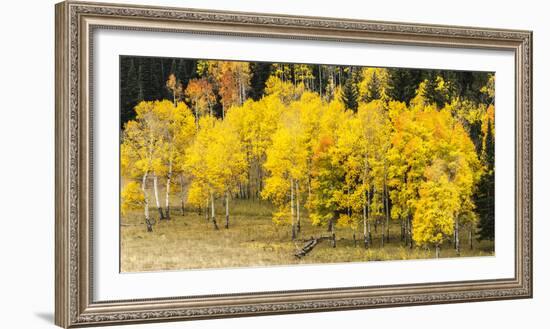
(402, 84)
(485, 200)
(350, 95)
(128, 90)
(373, 92)
(260, 74)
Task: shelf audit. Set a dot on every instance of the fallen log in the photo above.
(310, 244)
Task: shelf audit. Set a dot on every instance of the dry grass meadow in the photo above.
(190, 242)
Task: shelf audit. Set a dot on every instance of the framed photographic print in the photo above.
(218, 164)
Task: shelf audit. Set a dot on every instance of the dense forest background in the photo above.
(144, 79)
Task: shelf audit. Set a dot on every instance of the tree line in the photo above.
(349, 146)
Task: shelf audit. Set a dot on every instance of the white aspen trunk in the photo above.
(409, 221)
(369, 234)
(212, 204)
(383, 233)
(157, 200)
(387, 203)
(457, 241)
(377, 219)
(437, 250)
(292, 208)
(320, 81)
(197, 118)
(213, 211)
(243, 97)
(365, 239)
(227, 209)
(309, 187)
(366, 226)
(206, 212)
(182, 195)
(146, 203)
(298, 207)
(168, 179)
(402, 229)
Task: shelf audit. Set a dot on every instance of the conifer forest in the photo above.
(237, 164)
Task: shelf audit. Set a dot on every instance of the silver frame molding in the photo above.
(75, 23)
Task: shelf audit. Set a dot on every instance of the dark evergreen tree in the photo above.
(260, 74)
(403, 83)
(485, 200)
(350, 94)
(432, 95)
(128, 89)
(373, 89)
(474, 130)
(156, 88)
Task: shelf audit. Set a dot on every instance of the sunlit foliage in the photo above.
(340, 151)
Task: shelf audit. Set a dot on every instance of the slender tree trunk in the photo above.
(213, 211)
(320, 81)
(402, 229)
(156, 191)
(457, 239)
(383, 234)
(333, 234)
(406, 230)
(376, 221)
(354, 240)
(471, 236)
(309, 187)
(168, 179)
(197, 118)
(437, 251)
(365, 237)
(227, 209)
(410, 233)
(387, 203)
(385, 226)
(206, 206)
(182, 195)
(148, 221)
(298, 223)
(258, 180)
(248, 176)
(368, 218)
(292, 209)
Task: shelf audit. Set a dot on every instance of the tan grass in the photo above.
(190, 242)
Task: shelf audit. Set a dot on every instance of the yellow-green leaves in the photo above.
(433, 172)
(216, 160)
(132, 197)
(435, 212)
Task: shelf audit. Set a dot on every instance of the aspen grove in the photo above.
(333, 147)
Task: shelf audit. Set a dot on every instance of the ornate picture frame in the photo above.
(75, 25)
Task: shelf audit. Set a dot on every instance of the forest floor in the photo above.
(190, 242)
